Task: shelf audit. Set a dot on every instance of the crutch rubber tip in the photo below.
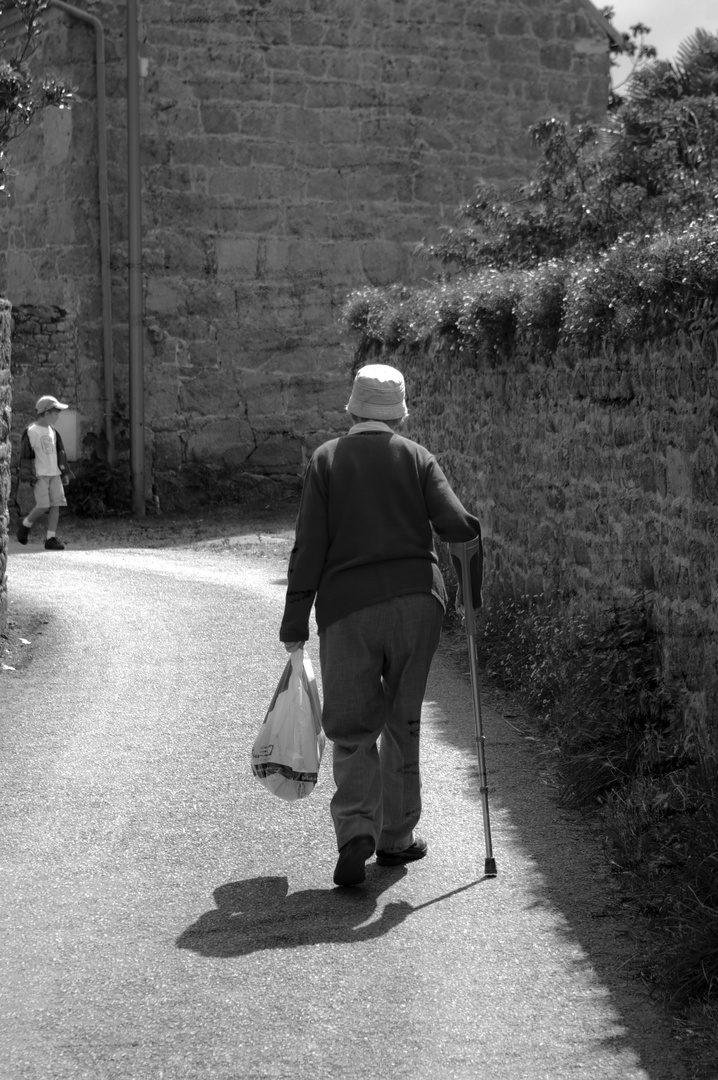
(490, 868)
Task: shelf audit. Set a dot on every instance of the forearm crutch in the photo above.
(464, 553)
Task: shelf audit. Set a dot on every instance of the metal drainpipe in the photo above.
(134, 209)
(109, 369)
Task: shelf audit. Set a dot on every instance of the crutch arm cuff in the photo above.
(469, 546)
(468, 560)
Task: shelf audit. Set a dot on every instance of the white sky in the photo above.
(671, 22)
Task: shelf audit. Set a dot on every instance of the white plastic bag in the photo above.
(289, 747)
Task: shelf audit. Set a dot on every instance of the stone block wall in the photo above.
(593, 480)
(292, 151)
(5, 423)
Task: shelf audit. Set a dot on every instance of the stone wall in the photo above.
(593, 480)
(292, 151)
(5, 418)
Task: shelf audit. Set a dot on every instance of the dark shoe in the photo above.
(417, 850)
(53, 544)
(22, 533)
(350, 869)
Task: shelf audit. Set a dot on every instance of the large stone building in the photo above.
(291, 151)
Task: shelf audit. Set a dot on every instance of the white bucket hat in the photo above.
(378, 393)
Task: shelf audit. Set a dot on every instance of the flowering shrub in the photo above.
(647, 284)
(541, 303)
(22, 94)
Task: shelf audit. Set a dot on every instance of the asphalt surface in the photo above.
(164, 917)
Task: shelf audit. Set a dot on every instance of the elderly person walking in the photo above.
(364, 551)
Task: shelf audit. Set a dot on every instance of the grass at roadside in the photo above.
(611, 741)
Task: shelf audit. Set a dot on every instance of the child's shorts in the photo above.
(48, 491)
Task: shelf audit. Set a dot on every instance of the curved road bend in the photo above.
(165, 918)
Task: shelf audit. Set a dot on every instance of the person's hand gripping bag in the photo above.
(289, 747)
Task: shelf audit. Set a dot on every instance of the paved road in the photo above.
(165, 918)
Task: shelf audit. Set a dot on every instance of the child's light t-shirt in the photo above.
(44, 442)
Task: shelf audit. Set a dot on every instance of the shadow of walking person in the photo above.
(259, 914)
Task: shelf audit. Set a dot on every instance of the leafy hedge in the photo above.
(657, 284)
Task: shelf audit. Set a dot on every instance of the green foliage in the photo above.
(652, 165)
(613, 235)
(480, 311)
(619, 748)
(662, 825)
(693, 74)
(635, 46)
(540, 304)
(570, 670)
(649, 286)
(568, 204)
(22, 94)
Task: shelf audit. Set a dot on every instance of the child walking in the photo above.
(43, 463)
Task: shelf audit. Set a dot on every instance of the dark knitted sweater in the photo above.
(364, 529)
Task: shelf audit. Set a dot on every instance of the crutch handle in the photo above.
(464, 553)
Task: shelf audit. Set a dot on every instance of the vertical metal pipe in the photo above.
(134, 252)
(105, 274)
(109, 380)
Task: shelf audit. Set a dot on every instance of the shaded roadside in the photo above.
(574, 857)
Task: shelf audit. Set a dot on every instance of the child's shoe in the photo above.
(53, 544)
(22, 533)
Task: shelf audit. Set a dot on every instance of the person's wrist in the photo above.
(293, 646)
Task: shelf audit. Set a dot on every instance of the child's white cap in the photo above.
(48, 402)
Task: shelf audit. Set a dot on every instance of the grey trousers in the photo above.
(375, 664)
